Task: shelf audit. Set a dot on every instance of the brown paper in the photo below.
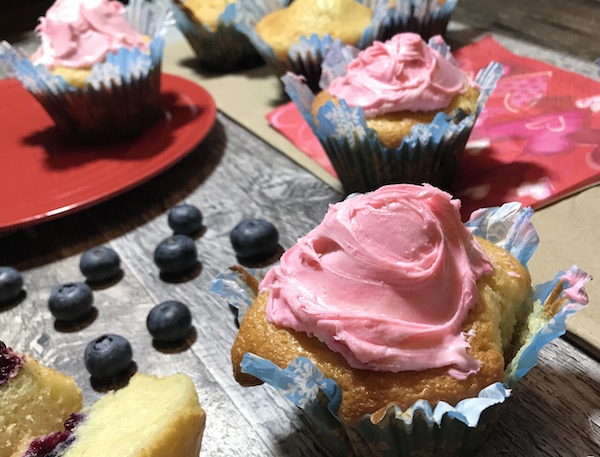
(568, 232)
(567, 229)
(245, 97)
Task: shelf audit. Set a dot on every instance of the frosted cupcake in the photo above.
(395, 328)
(296, 38)
(400, 111)
(210, 28)
(97, 71)
(34, 399)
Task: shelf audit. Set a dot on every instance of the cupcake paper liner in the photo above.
(122, 95)
(431, 153)
(221, 50)
(420, 430)
(425, 17)
(306, 55)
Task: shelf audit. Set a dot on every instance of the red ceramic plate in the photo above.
(43, 176)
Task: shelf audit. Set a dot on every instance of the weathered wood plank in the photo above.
(570, 27)
(558, 397)
(555, 411)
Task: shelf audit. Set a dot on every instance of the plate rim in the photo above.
(199, 127)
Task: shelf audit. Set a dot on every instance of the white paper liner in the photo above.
(420, 430)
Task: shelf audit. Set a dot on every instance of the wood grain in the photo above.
(570, 27)
(554, 411)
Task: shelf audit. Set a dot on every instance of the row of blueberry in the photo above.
(170, 321)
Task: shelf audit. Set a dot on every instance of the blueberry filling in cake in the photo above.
(34, 400)
(10, 363)
(151, 417)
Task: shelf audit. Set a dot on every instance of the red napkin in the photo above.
(536, 141)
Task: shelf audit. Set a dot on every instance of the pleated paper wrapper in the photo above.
(121, 97)
(431, 153)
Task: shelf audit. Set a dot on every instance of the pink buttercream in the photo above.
(387, 280)
(80, 33)
(403, 73)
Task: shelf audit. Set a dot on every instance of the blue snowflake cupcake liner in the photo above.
(420, 430)
(221, 49)
(431, 153)
(120, 98)
(306, 55)
(425, 17)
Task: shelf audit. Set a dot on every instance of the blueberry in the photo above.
(107, 356)
(254, 238)
(69, 302)
(176, 254)
(11, 284)
(169, 321)
(99, 264)
(185, 219)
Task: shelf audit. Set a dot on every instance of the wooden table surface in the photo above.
(554, 410)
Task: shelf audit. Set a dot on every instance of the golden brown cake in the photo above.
(343, 19)
(34, 400)
(151, 417)
(207, 12)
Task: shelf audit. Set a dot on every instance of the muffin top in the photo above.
(343, 19)
(80, 33)
(386, 280)
(401, 74)
(208, 11)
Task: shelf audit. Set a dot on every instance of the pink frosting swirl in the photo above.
(403, 73)
(80, 33)
(387, 280)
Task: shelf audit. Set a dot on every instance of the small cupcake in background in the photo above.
(425, 17)
(210, 28)
(97, 70)
(296, 38)
(400, 111)
(397, 330)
